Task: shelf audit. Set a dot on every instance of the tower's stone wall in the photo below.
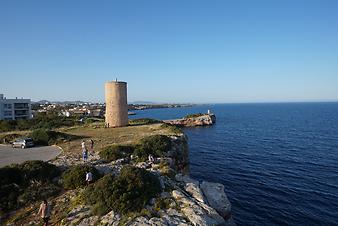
(116, 104)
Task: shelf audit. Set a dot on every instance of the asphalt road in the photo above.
(9, 155)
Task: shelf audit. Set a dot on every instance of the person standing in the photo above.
(44, 212)
(85, 155)
(91, 145)
(84, 151)
(89, 177)
(83, 145)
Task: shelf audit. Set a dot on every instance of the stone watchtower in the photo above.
(116, 104)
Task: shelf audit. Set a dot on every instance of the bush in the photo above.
(6, 125)
(99, 194)
(38, 170)
(26, 182)
(126, 193)
(114, 152)
(143, 121)
(173, 128)
(40, 136)
(8, 197)
(194, 115)
(75, 176)
(156, 145)
(8, 138)
(11, 175)
(38, 191)
(133, 188)
(48, 137)
(40, 121)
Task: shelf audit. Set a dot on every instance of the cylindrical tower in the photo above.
(116, 104)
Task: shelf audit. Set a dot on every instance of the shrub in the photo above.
(133, 188)
(11, 175)
(48, 137)
(6, 139)
(38, 170)
(40, 121)
(38, 191)
(26, 182)
(75, 176)
(163, 203)
(165, 169)
(143, 121)
(114, 152)
(173, 128)
(8, 197)
(156, 145)
(194, 115)
(99, 194)
(6, 125)
(40, 136)
(126, 193)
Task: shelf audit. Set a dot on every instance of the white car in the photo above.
(23, 143)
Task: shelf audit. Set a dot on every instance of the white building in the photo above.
(12, 109)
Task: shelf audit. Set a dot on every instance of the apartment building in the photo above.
(13, 109)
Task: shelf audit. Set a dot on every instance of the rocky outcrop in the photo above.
(217, 199)
(188, 201)
(203, 120)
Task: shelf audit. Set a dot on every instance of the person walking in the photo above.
(89, 177)
(44, 212)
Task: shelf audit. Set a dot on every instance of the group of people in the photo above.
(85, 151)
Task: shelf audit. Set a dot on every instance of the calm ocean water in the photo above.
(278, 162)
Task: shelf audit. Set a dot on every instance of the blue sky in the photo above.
(170, 51)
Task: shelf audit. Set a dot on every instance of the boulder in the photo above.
(139, 221)
(89, 221)
(216, 197)
(111, 218)
(197, 215)
(195, 191)
(155, 221)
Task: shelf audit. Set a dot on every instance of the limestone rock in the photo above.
(195, 191)
(89, 221)
(197, 215)
(155, 221)
(111, 218)
(216, 197)
(139, 221)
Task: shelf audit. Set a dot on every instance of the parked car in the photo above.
(23, 143)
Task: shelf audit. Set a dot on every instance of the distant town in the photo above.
(20, 108)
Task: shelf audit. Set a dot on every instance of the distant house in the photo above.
(78, 112)
(95, 112)
(13, 109)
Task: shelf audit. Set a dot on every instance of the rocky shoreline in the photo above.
(190, 202)
(198, 120)
(181, 201)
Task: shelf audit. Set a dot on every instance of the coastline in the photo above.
(187, 201)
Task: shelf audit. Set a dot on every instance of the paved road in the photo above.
(9, 155)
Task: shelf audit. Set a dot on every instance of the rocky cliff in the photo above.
(183, 200)
(201, 120)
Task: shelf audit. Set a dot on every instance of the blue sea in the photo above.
(278, 162)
